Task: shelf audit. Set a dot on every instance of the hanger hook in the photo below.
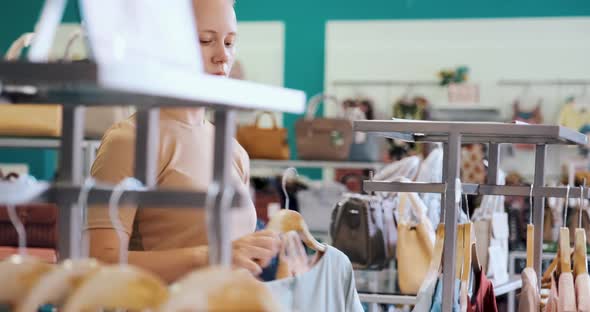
(288, 173)
(126, 184)
(531, 204)
(467, 207)
(20, 229)
(566, 204)
(87, 186)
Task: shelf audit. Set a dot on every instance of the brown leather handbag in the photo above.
(264, 143)
(357, 229)
(323, 138)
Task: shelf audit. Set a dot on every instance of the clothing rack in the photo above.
(452, 135)
(75, 85)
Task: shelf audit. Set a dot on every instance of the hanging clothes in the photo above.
(425, 295)
(529, 300)
(572, 117)
(567, 293)
(437, 298)
(328, 286)
(483, 299)
(583, 292)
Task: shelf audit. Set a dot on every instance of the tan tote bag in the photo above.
(323, 138)
(415, 245)
(23, 119)
(264, 143)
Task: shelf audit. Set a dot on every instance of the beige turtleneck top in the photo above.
(185, 162)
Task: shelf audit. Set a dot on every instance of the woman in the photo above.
(173, 242)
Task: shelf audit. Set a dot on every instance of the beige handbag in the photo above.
(264, 143)
(45, 120)
(23, 119)
(323, 138)
(415, 245)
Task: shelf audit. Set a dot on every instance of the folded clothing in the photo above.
(40, 221)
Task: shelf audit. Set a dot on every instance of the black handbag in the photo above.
(359, 230)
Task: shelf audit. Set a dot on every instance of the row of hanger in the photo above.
(86, 284)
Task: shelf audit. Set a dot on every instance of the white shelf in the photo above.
(40, 143)
(267, 164)
(511, 286)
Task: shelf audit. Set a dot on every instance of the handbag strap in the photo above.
(266, 113)
(17, 47)
(314, 101)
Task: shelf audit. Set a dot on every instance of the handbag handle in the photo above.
(416, 204)
(272, 117)
(16, 48)
(314, 101)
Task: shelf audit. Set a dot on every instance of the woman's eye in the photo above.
(206, 41)
(229, 44)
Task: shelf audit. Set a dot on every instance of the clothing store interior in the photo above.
(339, 156)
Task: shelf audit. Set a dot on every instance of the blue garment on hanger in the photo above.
(437, 298)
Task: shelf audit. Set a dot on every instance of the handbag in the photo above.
(46, 120)
(28, 120)
(365, 146)
(322, 138)
(415, 245)
(357, 229)
(264, 143)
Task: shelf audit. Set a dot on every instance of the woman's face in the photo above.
(217, 25)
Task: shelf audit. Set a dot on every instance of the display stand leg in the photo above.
(450, 208)
(493, 163)
(218, 214)
(147, 141)
(539, 208)
(69, 222)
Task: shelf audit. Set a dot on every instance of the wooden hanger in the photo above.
(530, 234)
(565, 264)
(287, 220)
(467, 253)
(118, 286)
(219, 289)
(460, 251)
(439, 242)
(54, 286)
(18, 274)
(580, 255)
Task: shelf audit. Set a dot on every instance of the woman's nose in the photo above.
(221, 55)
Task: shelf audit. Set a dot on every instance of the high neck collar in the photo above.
(190, 116)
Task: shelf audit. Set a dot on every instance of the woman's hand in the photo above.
(255, 251)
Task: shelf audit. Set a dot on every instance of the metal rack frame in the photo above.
(453, 135)
(75, 85)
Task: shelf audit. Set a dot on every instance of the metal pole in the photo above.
(218, 228)
(70, 172)
(147, 146)
(444, 180)
(539, 207)
(493, 163)
(450, 207)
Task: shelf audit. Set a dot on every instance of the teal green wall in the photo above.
(305, 22)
